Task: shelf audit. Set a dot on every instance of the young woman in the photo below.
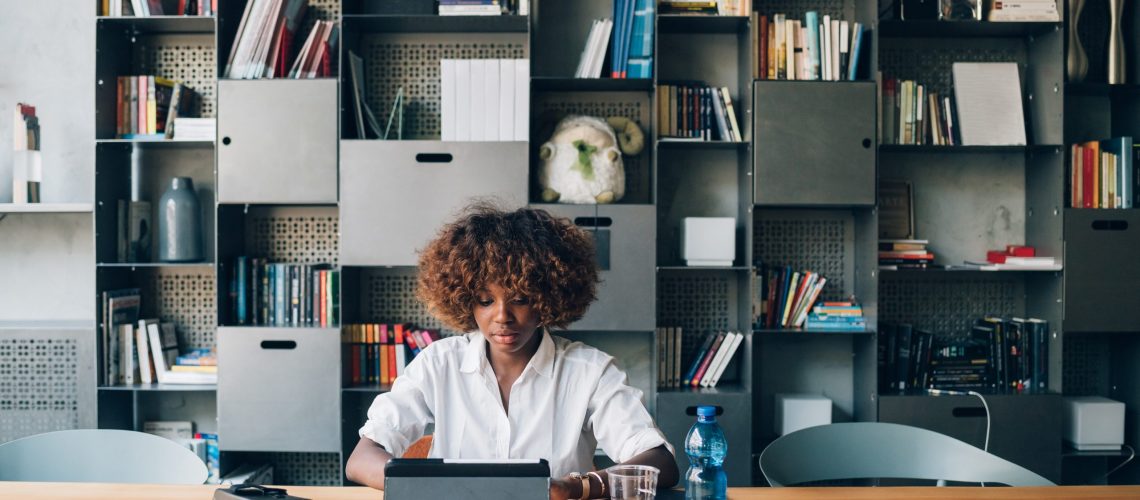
(510, 389)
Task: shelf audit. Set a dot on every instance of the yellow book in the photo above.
(151, 108)
(195, 368)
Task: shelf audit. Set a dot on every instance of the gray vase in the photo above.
(1115, 43)
(1076, 62)
(179, 223)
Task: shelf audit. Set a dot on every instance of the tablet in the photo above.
(463, 479)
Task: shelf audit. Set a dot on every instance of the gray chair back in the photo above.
(100, 455)
(869, 450)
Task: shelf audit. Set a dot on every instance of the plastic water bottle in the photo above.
(706, 448)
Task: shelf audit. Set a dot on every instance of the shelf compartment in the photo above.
(46, 208)
(161, 388)
(928, 149)
(376, 23)
(681, 23)
(278, 383)
(1102, 90)
(159, 143)
(667, 143)
(1100, 287)
(454, 171)
(684, 268)
(964, 29)
(676, 413)
(551, 84)
(801, 332)
(159, 24)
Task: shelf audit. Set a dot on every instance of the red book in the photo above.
(325, 70)
(996, 256)
(1090, 166)
(696, 381)
(763, 48)
(392, 346)
(1021, 251)
(410, 341)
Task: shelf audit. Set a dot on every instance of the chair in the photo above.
(866, 450)
(100, 455)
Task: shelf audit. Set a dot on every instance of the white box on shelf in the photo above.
(800, 411)
(708, 241)
(1094, 423)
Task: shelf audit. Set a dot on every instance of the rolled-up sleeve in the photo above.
(619, 420)
(399, 417)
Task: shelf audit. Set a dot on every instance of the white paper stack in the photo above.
(484, 99)
(1024, 10)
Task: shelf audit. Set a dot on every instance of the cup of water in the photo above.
(633, 482)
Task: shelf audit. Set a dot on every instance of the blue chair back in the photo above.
(102, 456)
(871, 450)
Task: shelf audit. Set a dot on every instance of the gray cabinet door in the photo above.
(625, 236)
(1101, 270)
(278, 141)
(815, 143)
(279, 389)
(397, 194)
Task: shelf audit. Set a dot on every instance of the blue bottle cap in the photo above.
(706, 411)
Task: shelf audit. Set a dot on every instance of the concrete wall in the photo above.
(48, 60)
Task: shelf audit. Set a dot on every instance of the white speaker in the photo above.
(800, 411)
(1094, 423)
(708, 241)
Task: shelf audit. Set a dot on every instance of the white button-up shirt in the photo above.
(569, 399)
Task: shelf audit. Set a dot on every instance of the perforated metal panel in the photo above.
(697, 304)
(298, 237)
(412, 61)
(45, 381)
(390, 297)
(187, 299)
(549, 108)
(820, 242)
(1086, 370)
(189, 59)
(795, 9)
(306, 469)
(948, 305)
(929, 63)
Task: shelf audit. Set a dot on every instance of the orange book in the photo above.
(383, 352)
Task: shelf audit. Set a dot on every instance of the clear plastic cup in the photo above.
(633, 482)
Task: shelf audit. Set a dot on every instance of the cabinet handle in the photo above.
(226, 141)
(1110, 225)
(866, 143)
(433, 157)
(591, 222)
(278, 344)
(969, 412)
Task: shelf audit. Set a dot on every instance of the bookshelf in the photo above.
(264, 197)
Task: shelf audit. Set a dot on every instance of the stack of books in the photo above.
(1102, 174)
(629, 35)
(915, 115)
(842, 316)
(895, 254)
(484, 99)
(787, 296)
(1015, 258)
(194, 129)
(147, 8)
(697, 112)
(379, 353)
(710, 360)
(1024, 11)
(147, 107)
(470, 8)
(277, 294)
(263, 46)
(812, 49)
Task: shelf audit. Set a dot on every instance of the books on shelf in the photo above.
(629, 37)
(787, 296)
(148, 8)
(378, 353)
(484, 99)
(1009, 355)
(266, 36)
(816, 48)
(590, 62)
(147, 107)
(836, 316)
(195, 129)
(895, 254)
(703, 366)
(913, 114)
(264, 293)
(470, 8)
(1102, 174)
(696, 111)
(691, 7)
(1023, 11)
(988, 98)
(120, 308)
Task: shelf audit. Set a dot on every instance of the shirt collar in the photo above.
(475, 356)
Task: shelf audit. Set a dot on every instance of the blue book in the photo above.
(856, 51)
(641, 67)
(241, 272)
(641, 43)
(698, 356)
(811, 24)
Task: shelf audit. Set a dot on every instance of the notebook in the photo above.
(460, 479)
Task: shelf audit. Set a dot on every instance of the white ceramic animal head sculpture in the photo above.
(581, 162)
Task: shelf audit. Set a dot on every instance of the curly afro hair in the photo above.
(528, 252)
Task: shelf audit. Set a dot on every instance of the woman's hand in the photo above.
(560, 489)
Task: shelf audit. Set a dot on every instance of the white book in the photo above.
(174, 430)
(492, 91)
(600, 46)
(476, 106)
(522, 99)
(265, 40)
(587, 50)
(128, 358)
(727, 359)
(844, 47)
(447, 99)
(790, 48)
(463, 100)
(143, 350)
(718, 359)
(506, 99)
(237, 38)
(251, 37)
(988, 96)
(825, 47)
(299, 62)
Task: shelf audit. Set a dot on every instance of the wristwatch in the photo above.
(585, 484)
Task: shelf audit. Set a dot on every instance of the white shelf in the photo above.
(44, 324)
(46, 208)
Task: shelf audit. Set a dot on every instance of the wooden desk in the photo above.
(98, 491)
